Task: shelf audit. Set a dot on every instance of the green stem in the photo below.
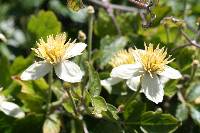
(132, 97)
(167, 33)
(50, 81)
(84, 126)
(90, 30)
(72, 101)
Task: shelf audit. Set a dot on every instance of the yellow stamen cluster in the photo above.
(122, 57)
(154, 60)
(54, 49)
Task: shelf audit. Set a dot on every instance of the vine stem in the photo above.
(72, 101)
(90, 31)
(115, 6)
(50, 81)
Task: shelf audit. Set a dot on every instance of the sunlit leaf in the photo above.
(52, 124)
(99, 105)
(157, 122)
(43, 24)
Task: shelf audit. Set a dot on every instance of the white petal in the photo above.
(75, 50)
(133, 83)
(152, 88)
(107, 83)
(36, 70)
(69, 71)
(126, 71)
(11, 109)
(171, 73)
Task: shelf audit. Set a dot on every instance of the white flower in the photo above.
(10, 108)
(150, 65)
(120, 58)
(56, 52)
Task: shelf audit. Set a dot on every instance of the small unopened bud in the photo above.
(3, 38)
(81, 36)
(159, 110)
(90, 10)
(195, 63)
(120, 109)
(197, 100)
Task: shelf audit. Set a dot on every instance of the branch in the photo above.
(192, 42)
(115, 6)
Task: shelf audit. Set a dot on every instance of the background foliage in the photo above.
(23, 22)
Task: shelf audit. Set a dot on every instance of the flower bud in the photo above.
(90, 10)
(2, 38)
(197, 100)
(195, 63)
(81, 36)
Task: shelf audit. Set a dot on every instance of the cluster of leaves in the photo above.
(24, 21)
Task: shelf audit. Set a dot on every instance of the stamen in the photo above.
(54, 49)
(154, 60)
(122, 57)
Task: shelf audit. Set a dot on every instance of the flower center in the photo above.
(54, 50)
(122, 57)
(154, 60)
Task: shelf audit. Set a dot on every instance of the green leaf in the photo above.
(103, 25)
(182, 112)
(154, 122)
(99, 105)
(195, 114)
(31, 103)
(109, 46)
(128, 23)
(44, 24)
(170, 88)
(6, 123)
(52, 124)
(75, 5)
(194, 92)
(134, 110)
(113, 110)
(94, 84)
(20, 63)
(32, 123)
(161, 12)
(111, 113)
(5, 78)
(33, 94)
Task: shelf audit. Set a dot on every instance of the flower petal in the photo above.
(133, 83)
(75, 50)
(126, 71)
(107, 83)
(11, 109)
(36, 70)
(69, 71)
(152, 88)
(171, 73)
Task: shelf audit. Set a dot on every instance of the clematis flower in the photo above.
(120, 58)
(150, 65)
(10, 108)
(56, 53)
